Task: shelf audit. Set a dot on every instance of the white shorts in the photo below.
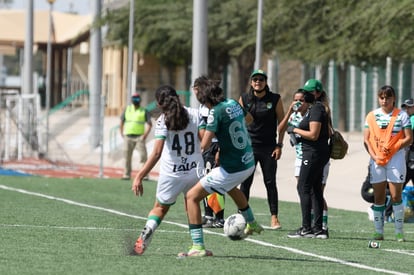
(298, 164)
(169, 188)
(394, 171)
(218, 180)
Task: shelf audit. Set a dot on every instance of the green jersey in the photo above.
(226, 120)
(412, 122)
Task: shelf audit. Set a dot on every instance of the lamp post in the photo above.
(48, 73)
(259, 35)
(130, 89)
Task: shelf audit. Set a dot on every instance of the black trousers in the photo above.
(263, 155)
(409, 176)
(310, 186)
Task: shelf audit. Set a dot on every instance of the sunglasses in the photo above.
(260, 79)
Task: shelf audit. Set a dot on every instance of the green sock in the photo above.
(196, 233)
(247, 214)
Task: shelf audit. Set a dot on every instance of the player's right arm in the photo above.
(137, 186)
(206, 141)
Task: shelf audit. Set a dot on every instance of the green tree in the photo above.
(349, 32)
(313, 31)
(164, 29)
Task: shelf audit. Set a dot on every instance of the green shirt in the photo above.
(226, 120)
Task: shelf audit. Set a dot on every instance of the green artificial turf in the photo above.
(88, 226)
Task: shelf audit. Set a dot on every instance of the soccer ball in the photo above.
(234, 227)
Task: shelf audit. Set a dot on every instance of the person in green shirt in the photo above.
(226, 122)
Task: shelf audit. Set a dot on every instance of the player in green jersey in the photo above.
(225, 122)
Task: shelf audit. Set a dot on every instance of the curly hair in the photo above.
(176, 116)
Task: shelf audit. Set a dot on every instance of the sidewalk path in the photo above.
(344, 180)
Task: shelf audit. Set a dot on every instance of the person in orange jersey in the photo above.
(387, 133)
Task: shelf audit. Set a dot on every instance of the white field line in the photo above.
(408, 232)
(74, 228)
(290, 249)
(91, 228)
(405, 252)
(85, 228)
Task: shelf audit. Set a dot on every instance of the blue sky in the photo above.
(79, 6)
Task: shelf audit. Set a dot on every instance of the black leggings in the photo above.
(310, 187)
(263, 155)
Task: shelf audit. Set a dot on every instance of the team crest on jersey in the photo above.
(248, 157)
(269, 105)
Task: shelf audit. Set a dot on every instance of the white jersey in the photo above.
(181, 153)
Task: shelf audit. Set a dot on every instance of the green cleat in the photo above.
(399, 237)
(196, 251)
(253, 227)
(378, 236)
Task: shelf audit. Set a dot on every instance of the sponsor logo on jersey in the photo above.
(184, 167)
(234, 111)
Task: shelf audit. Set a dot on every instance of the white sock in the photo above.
(379, 218)
(151, 224)
(398, 209)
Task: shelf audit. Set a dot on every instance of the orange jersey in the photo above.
(381, 140)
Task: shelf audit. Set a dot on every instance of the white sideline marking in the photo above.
(290, 249)
(406, 252)
(86, 228)
(65, 227)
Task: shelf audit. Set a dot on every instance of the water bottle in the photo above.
(296, 106)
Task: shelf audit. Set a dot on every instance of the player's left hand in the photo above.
(137, 187)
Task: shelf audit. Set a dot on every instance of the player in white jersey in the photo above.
(178, 132)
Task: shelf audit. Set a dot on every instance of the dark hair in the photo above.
(176, 116)
(387, 91)
(251, 90)
(250, 93)
(299, 91)
(323, 98)
(208, 91)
